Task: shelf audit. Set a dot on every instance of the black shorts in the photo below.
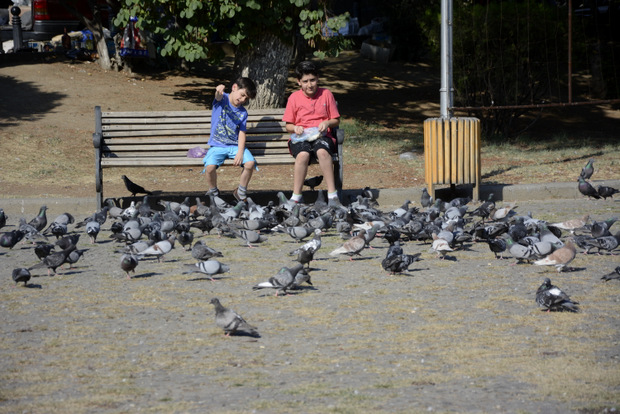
(312, 147)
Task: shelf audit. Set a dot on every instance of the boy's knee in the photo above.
(323, 155)
(249, 165)
(211, 168)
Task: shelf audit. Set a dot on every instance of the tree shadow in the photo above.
(15, 111)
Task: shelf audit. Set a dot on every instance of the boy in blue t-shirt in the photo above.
(227, 140)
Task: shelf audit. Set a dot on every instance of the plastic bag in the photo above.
(196, 152)
(309, 134)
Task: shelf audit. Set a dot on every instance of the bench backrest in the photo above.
(171, 134)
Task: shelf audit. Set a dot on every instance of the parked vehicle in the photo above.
(44, 19)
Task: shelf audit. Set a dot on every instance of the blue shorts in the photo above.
(217, 156)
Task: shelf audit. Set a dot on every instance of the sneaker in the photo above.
(236, 195)
(213, 192)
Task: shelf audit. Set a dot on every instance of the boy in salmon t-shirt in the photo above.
(310, 107)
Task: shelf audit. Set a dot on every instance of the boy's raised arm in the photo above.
(219, 92)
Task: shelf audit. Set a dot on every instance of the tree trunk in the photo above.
(267, 64)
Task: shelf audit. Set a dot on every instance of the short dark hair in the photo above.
(306, 68)
(247, 84)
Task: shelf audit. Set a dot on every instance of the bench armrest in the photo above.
(339, 136)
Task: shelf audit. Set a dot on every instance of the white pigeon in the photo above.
(440, 246)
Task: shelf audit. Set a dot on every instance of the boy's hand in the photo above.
(238, 159)
(219, 92)
(299, 129)
(323, 126)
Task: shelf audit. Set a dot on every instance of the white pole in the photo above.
(446, 92)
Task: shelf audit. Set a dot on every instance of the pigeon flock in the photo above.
(149, 231)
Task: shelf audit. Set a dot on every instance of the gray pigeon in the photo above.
(519, 251)
(129, 262)
(92, 229)
(250, 236)
(299, 232)
(426, 200)
(54, 260)
(587, 170)
(40, 221)
(615, 274)
(305, 253)
(552, 298)
(210, 268)
(282, 281)
(21, 274)
(200, 251)
(230, 321)
(300, 278)
(159, 249)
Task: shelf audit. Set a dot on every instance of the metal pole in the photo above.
(446, 92)
(16, 21)
(570, 51)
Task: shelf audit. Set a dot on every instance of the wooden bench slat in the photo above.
(180, 161)
(196, 140)
(151, 147)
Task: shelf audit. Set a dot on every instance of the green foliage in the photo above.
(188, 27)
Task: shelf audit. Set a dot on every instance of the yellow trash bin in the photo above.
(452, 153)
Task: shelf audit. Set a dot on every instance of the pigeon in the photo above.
(426, 200)
(299, 232)
(552, 298)
(100, 216)
(519, 251)
(40, 221)
(43, 250)
(67, 241)
(129, 262)
(250, 236)
(64, 218)
(313, 181)
(572, 225)
(399, 263)
(185, 239)
(497, 246)
(601, 228)
(607, 243)
(21, 274)
(587, 190)
(561, 257)
(613, 275)
(10, 238)
(136, 247)
(57, 229)
(210, 268)
(606, 191)
(282, 281)
(353, 246)
(230, 321)
(484, 210)
(305, 253)
(587, 170)
(134, 188)
(113, 210)
(200, 251)
(74, 256)
(503, 213)
(92, 229)
(440, 246)
(54, 260)
(30, 232)
(159, 249)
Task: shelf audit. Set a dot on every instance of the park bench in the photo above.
(163, 138)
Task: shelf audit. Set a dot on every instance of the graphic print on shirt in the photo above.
(228, 125)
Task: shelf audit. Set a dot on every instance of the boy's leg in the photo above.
(301, 169)
(327, 167)
(211, 173)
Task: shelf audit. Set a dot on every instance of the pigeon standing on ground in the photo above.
(426, 200)
(561, 257)
(230, 321)
(92, 229)
(606, 191)
(552, 298)
(282, 281)
(353, 246)
(613, 275)
(2, 218)
(305, 253)
(159, 249)
(11, 238)
(40, 221)
(129, 262)
(209, 267)
(200, 251)
(54, 260)
(586, 189)
(134, 188)
(572, 225)
(587, 170)
(21, 274)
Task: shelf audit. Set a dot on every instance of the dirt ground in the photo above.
(462, 334)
